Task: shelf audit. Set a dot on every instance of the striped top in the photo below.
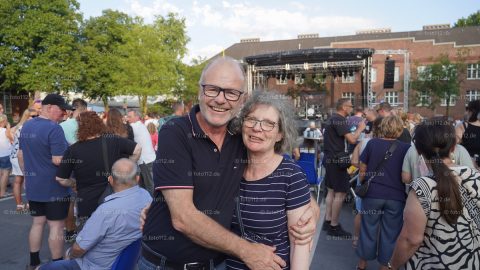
(263, 206)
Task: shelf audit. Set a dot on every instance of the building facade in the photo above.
(412, 51)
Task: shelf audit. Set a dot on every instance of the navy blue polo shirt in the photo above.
(187, 158)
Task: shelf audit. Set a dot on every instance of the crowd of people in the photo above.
(215, 188)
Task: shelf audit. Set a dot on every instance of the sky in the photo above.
(216, 25)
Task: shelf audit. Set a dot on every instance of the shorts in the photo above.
(16, 167)
(57, 210)
(336, 178)
(5, 163)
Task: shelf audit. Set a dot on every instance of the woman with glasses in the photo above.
(273, 191)
(17, 186)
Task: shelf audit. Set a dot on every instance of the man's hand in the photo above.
(305, 228)
(143, 216)
(261, 257)
(362, 125)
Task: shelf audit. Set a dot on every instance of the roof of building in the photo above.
(461, 36)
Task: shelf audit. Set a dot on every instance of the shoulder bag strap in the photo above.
(388, 154)
(105, 156)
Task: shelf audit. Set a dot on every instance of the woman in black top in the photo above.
(468, 133)
(115, 125)
(86, 160)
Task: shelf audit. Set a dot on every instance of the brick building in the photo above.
(411, 51)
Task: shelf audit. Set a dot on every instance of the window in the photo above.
(299, 79)
(282, 81)
(424, 99)
(473, 71)
(452, 101)
(347, 78)
(373, 74)
(373, 97)
(259, 79)
(471, 95)
(396, 77)
(392, 98)
(350, 95)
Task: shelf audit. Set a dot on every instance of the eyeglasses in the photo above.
(265, 125)
(213, 91)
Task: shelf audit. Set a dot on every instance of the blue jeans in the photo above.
(61, 265)
(144, 264)
(382, 221)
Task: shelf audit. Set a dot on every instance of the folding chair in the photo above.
(310, 171)
(127, 259)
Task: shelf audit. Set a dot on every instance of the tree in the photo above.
(39, 45)
(471, 20)
(151, 58)
(439, 81)
(101, 38)
(187, 87)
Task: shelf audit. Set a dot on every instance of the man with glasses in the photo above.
(384, 109)
(337, 135)
(42, 144)
(197, 172)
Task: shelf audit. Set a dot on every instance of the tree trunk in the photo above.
(105, 103)
(143, 104)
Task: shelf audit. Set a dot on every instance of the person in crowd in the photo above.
(441, 218)
(382, 206)
(336, 137)
(384, 109)
(353, 121)
(16, 171)
(312, 131)
(468, 133)
(70, 126)
(370, 116)
(197, 174)
(414, 165)
(86, 160)
(114, 225)
(268, 130)
(152, 129)
(151, 118)
(116, 125)
(6, 141)
(42, 144)
(356, 162)
(142, 137)
(178, 110)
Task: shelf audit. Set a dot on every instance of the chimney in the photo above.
(249, 40)
(373, 31)
(436, 27)
(302, 36)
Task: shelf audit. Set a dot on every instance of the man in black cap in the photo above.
(42, 145)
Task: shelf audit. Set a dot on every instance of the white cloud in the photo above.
(206, 51)
(148, 12)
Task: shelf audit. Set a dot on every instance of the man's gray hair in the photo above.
(124, 172)
(283, 106)
(137, 113)
(220, 59)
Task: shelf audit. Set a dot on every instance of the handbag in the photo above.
(361, 190)
(108, 189)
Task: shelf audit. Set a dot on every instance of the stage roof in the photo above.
(310, 56)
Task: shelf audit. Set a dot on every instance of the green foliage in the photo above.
(101, 38)
(151, 58)
(187, 87)
(438, 81)
(39, 45)
(472, 20)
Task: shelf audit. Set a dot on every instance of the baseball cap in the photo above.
(56, 99)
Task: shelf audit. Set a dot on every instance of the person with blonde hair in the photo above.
(17, 185)
(382, 206)
(5, 149)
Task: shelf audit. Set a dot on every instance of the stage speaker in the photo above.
(389, 77)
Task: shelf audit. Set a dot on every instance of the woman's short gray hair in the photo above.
(286, 115)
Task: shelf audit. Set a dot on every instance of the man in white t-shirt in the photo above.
(142, 137)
